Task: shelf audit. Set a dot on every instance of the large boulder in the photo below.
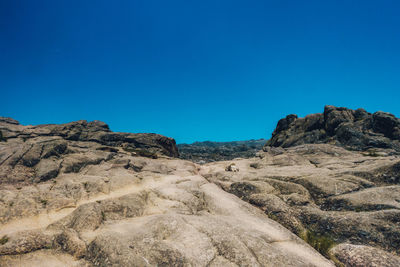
(386, 123)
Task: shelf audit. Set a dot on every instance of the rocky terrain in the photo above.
(203, 152)
(335, 199)
(78, 194)
(331, 178)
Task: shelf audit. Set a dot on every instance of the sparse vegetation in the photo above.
(140, 152)
(322, 243)
(358, 209)
(272, 216)
(255, 165)
(3, 240)
(2, 138)
(44, 202)
(371, 153)
(107, 149)
(86, 187)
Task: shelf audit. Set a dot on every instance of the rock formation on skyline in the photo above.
(39, 153)
(352, 129)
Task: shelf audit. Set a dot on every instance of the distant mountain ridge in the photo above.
(208, 151)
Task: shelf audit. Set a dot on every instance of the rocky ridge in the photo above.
(38, 153)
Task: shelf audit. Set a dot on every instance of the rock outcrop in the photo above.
(37, 153)
(80, 195)
(352, 129)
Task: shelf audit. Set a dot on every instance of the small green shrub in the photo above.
(322, 243)
(3, 240)
(273, 217)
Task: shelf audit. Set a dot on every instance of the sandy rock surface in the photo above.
(323, 193)
(66, 199)
(78, 194)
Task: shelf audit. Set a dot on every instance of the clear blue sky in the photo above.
(196, 70)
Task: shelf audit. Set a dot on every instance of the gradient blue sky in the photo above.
(196, 70)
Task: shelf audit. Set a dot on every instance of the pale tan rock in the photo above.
(113, 207)
(364, 256)
(345, 195)
(24, 242)
(153, 218)
(42, 258)
(231, 168)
